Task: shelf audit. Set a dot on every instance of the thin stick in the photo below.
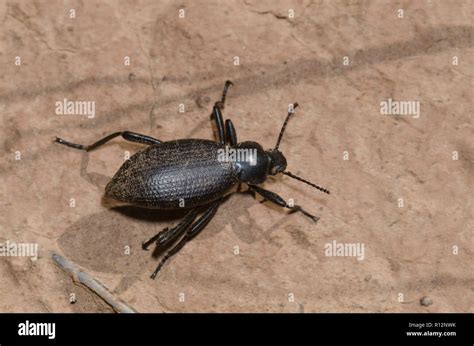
(78, 275)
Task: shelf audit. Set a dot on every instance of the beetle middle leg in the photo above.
(273, 197)
(193, 230)
(127, 135)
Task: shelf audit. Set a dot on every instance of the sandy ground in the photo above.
(423, 248)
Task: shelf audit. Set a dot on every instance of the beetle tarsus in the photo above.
(69, 144)
(221, 103)
(297, 208)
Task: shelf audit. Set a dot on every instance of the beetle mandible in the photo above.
(193, 171)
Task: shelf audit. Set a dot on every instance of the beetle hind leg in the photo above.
(191, 232)
(169, 234)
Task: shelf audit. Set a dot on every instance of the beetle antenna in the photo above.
(290, 112)
(306, 182)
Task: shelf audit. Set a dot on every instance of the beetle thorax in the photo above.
(251, 162)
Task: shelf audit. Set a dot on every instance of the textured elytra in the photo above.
(165, 175)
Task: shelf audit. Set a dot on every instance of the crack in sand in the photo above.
(152, 82)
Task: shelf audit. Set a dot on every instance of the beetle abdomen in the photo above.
(174, 174)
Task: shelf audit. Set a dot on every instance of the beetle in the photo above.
(194, 173)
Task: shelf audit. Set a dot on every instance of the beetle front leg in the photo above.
(273, 197)
(127, 135)
(190, 233)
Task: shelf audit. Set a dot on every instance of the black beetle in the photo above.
(195, 174)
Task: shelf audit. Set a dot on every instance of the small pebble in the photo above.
(131, 76)
(426, 301)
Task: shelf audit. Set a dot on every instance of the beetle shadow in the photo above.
(110, 241)
(150, 215)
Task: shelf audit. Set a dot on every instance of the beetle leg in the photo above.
(190, 233)
(127, 135)
(228, 83)
(273, 197)
(231, 135)
(168, 234)
(216, 113)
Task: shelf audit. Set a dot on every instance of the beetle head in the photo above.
(277, 161)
